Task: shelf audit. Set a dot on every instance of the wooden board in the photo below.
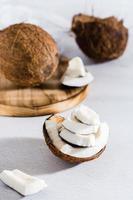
(50, 98)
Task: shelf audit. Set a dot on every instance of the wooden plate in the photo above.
(50, 98)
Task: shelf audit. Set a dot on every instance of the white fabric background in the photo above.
(21, 139)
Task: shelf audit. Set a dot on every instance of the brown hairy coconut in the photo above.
(58, 153)
(28, 54)
(100, 39)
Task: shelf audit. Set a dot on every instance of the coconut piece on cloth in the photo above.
(21, 182)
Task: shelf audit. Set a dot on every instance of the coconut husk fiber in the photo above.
(100, 39)
(28, 54)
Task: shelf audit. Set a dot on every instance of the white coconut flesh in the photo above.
(75, 68)
(76, 75)
(79, 128)
(78, 81)
(101, 138)
(77, 139)
(86, 115)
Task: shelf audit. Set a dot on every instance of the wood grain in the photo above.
(52, 97)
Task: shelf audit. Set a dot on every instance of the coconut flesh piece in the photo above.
(101, 138)
(78, 81)
(78, 133)
(86, 115)
(75, 68)
(78, 139)
(21, 182)
(79, 128)
(75, 75)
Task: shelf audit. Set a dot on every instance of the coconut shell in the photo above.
(28, 54)
(100, 39)
(58, 153)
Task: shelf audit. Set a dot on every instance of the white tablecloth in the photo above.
(21, 139)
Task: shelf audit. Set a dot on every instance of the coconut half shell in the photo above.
(100, 39)
(58, 153)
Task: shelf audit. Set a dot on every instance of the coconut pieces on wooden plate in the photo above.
(76, 74)
(77, 138)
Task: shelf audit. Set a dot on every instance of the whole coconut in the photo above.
(28, 54)
(100, 39)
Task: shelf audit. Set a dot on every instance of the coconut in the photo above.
(100, 39)
(28, 54)
(50, 131)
